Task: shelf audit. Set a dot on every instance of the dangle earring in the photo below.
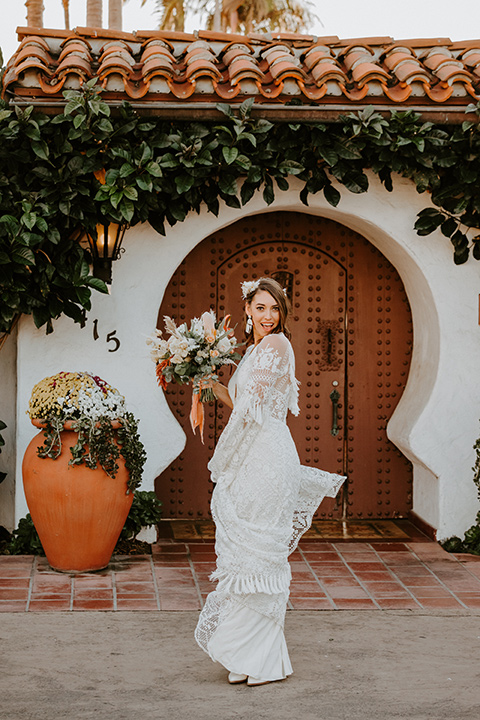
(249, 325)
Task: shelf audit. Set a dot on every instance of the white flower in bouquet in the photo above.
(178, 348)
(224, 345)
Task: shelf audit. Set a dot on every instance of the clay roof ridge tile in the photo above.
(450, 75)
(318, 48)
(114, 64)
(275, 56)
(275, 46)
(155, 64)
(409, 72)
(200, 53)
(398, 47)
(75, 65)
(37, 52)
(155, 41)
(117, 52)
(200, 68)
(33, 40)
(74, 38)
(29, 64)
(322, 72)
(392, 61)
(315, 59)
(156, 51)
(77, 48)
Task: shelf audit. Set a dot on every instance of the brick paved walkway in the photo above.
(326, 575)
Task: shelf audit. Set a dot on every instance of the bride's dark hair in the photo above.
(276, 291)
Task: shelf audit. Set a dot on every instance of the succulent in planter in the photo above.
(95, 410)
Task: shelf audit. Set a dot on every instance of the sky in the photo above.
(399, 19)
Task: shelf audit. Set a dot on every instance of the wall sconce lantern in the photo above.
(105, 247)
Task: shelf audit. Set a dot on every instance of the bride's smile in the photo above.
(265, 314)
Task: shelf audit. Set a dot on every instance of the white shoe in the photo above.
(236, 678)
(252, 682)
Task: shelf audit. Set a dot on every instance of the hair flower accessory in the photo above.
(248, 287)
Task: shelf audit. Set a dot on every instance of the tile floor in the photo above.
(412, 574)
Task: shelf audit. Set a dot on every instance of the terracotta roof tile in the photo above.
(160, 66)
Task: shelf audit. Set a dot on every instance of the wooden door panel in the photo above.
(351, 326)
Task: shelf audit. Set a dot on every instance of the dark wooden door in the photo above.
(351, 331)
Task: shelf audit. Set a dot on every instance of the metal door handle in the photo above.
(334, 397)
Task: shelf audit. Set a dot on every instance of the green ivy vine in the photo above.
(99, 444)
(61, 173)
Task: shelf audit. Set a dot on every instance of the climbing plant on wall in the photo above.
(65, 172)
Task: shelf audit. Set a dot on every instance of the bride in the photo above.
(263, 501)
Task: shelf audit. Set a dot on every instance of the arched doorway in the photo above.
(352, 335)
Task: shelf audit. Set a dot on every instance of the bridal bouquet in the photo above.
(194, 354)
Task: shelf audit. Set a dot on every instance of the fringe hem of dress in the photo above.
(248, 584)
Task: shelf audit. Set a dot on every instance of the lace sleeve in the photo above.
(254, 404)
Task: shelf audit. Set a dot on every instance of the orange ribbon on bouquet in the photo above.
(197, 416)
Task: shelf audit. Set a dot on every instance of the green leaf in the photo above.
(332, 196)
(29, 219)
(116, 197)
(126, 170)
(97, 284)
(13, 226)
(291, 167)
(225, 109)
(130, 192)
(247, 192)
(83, 294)
(165, 161)
(428, 220)
(246, 107)
(230, 154)
(84, 270)
(356, 183)
(328, 154)
(40, 148)
(268, 194)
(153, 168)
(111, 177)
(147, 153)
(248, 136)
(41, 316)
(144, 183)
(64, 206)
(42, 225)
(127, 209)
(23, 255)
(449, 227)
(183, 183)
(282, 182)
(228, 185)
(347, 150)
(476, 248)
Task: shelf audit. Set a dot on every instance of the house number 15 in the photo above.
(110, 338)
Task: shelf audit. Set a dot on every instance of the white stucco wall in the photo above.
(436, 421)
(8, 391)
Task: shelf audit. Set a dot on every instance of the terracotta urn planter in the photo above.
(78, 512)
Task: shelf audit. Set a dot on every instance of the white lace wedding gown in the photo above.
(263, 502)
